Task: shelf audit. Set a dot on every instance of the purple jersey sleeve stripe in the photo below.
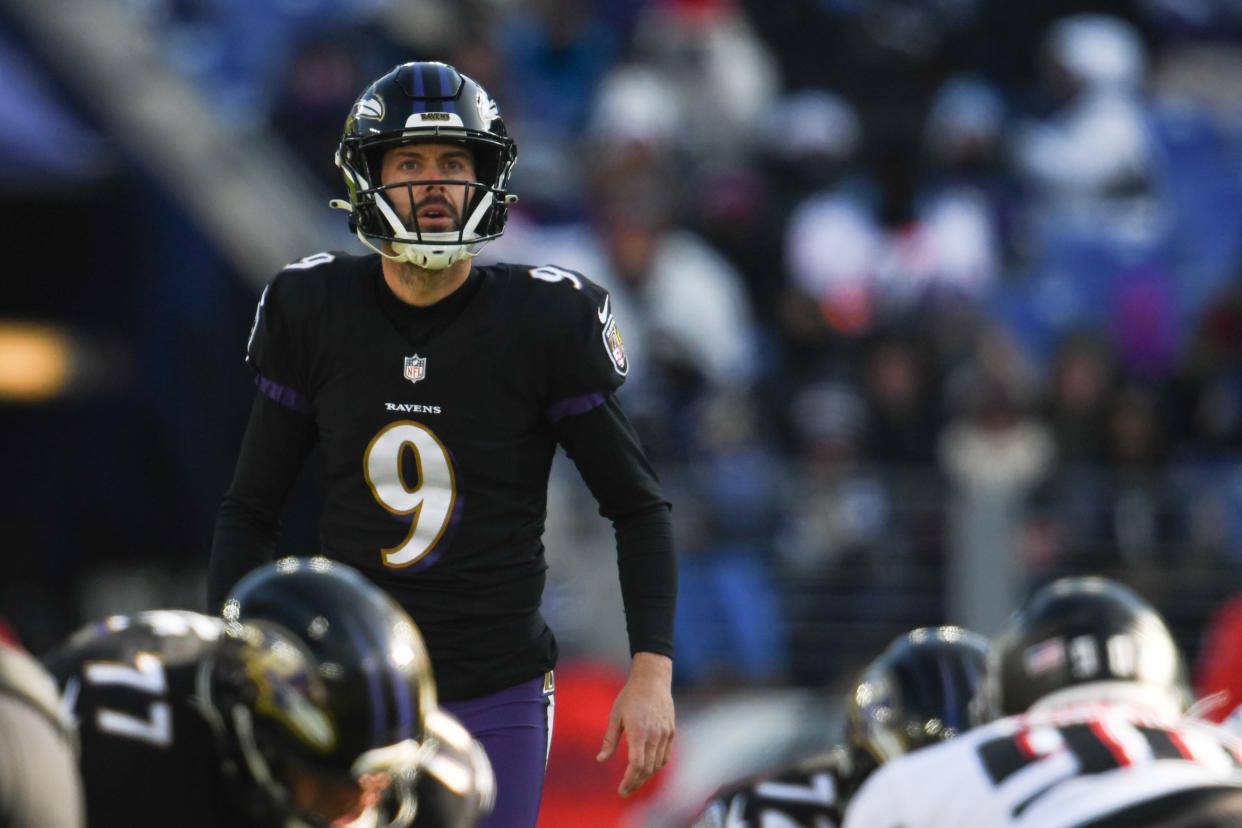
(283, 395)
(575, 405)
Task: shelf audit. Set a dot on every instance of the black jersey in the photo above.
(438, 428)
(148, 755)
(805, 794)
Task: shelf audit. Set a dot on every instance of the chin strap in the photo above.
(409, 252)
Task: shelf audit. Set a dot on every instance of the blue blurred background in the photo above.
(928, 302)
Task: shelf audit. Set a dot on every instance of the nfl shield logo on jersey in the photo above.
(415, 368)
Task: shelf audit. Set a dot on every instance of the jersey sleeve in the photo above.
(607, 453)
(281, 345)
(587, 350)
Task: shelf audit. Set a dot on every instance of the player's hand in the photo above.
(643, 711)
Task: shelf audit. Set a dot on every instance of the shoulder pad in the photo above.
(23, 678)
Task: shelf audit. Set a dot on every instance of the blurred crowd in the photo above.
(867, 256)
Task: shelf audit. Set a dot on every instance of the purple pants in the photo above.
(515, 728)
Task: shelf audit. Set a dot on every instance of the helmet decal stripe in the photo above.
(405, 704)
(430, 81)
(375, 690)
(446, 89)
(419, 91)
(950, 674)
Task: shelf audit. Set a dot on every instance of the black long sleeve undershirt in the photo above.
(273, 451)
(608, 455)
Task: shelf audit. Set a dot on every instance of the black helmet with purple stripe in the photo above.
(321, 674)
(421, 102)
(918, 692)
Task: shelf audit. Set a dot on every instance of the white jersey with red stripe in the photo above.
(1057, 768)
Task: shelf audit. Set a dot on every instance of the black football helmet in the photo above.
(425, 101)
(1088, 639)
(457, 787)
(320, 673)
(916, 693)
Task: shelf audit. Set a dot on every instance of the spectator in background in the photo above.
(996, 453)
(1208, 386)
(549, 58)
(831, 243)
(1204, 417)
(1140, 522)
(1088, 164)
(1079, 393)
(689, 324)
(804, 144)
(1080, 387)
(1136, 440)
(321, 81)
(688, 303)
(872, 256)
(903, 412)
(994, 442)
(1121, 512)
(730, 627)
(841, 546)
(964, 202)
(555, 53)
(713, 65)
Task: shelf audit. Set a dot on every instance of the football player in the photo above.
(916, 693)
(805, 793)
(438, 392)
(309, 704)
(39, 783)
(1092, 690)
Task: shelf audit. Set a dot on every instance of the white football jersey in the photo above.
(1057, 768)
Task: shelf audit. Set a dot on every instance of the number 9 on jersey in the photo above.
(430, 502)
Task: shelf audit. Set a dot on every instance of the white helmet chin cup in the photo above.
(431, 251)
(428, 257)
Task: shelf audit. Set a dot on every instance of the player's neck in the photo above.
(421, 288)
